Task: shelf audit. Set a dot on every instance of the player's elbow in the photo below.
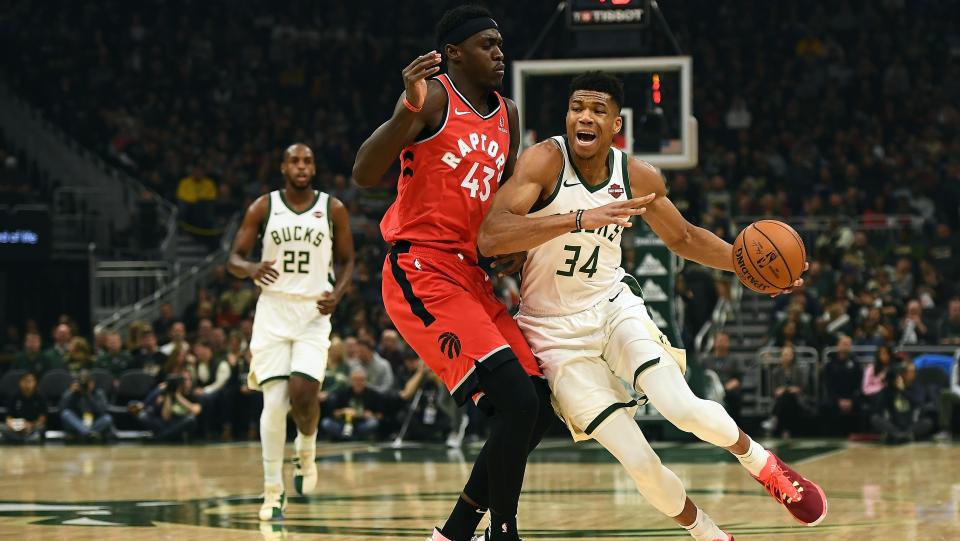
(487, 241)
(680, 244)
(362, 177)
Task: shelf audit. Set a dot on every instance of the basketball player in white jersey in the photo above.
(584, 317)
(304, 233)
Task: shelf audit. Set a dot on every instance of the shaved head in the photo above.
(298, 167)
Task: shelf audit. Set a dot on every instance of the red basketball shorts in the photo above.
(445, 309)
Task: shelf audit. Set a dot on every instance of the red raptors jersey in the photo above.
(447, 180)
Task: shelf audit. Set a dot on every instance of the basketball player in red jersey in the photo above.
(457, 138)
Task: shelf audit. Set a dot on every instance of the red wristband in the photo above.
(411, 106)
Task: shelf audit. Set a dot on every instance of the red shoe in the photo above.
(729, 538)
(803, 498)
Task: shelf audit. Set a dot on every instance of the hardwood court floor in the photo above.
(151, 493)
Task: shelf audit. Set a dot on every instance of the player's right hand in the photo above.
(264, 272)
(617, 213)
(415, 77)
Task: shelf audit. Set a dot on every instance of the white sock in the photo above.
(754, 459)
(704, 529)
(273, 430)
(306, 446)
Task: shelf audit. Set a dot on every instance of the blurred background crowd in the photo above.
(839, 117)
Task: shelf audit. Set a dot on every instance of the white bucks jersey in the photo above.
(574, 271)
(301, 243)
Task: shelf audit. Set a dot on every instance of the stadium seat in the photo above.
(134, 385)
(53, 384)
(103, 379)
(943, 362)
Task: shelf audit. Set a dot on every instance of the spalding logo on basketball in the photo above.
(775, 258)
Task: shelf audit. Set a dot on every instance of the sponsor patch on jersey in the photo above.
(318, 213)
(615, 190)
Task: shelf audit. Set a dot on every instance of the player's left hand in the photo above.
(327, 303)
(798, 283)
(509, 263)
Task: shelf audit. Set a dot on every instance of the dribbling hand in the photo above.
(618, 213)
(264, 272)
(415, 77)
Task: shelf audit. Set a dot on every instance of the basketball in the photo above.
(768, 256)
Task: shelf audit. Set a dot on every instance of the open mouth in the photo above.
(586, 137)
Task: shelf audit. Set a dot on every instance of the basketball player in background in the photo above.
(304, 233)
(457, 139)
(584, 316)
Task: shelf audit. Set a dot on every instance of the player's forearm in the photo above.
(508, 233)
(378, 152)
(238, 266)
(705, 248)
(344, 277)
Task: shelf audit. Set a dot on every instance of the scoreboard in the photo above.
(607, 14)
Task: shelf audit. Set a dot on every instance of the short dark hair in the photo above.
(457, 16)
(599, 81)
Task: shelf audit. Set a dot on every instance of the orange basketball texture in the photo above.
(768, 256)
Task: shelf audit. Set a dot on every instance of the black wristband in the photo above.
(579, 215)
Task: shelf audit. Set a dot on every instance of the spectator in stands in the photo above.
(949, 329)
(788, 383)
(212, 376)
(179, 360)
(391, 348)
(914, 329)
(379, 373)
(79, 357)
(83, 410)
(430, 416)
(903, 280)
(31, 359)
(351, 351)
(944, 252)
(234, 303)
(337, 373)
(178, 338)
(729, 370)
(162, 324)
(355, 411)
(895, 415)
(842, 379)
(113, 359)
(949, 404)
(148, 356)
(875, 375)
(168, 411)
(57, 353)
(26, 413)
(925, 395)
(196, 194)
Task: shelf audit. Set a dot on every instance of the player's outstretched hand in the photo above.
(327, 303)
(264, 272)
(415, 77)
(509, 263)
(796, 284)
(617, 213)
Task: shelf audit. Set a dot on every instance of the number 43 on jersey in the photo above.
(473, 179)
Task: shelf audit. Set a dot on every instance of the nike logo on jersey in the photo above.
(617, 295)
(458, 112)
(278, 213)
(567, 184)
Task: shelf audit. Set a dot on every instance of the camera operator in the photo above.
(168, 410)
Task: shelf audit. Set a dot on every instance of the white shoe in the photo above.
(942, 436)
(274, 503)
(455, 439)
(304, 476)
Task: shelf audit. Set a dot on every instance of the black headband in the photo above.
(467, 29)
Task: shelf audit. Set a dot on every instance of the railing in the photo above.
(805, 358)
(179, 291)
(122, 283)
(71, 163)
(811, 361)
